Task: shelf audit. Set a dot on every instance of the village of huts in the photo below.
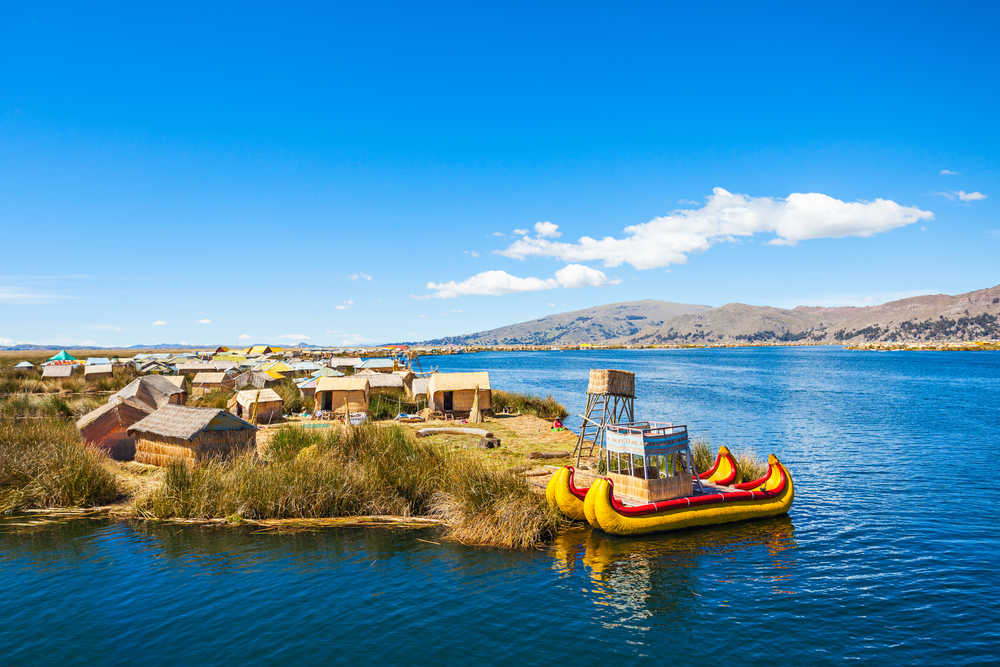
(199, 405)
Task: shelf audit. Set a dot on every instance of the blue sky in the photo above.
(255, 173)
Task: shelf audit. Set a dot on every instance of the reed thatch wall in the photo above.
(609, 381)
(163, 450)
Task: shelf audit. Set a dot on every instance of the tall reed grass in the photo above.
(546, 408)
(44, 464)
(360, 471)
(751, 467)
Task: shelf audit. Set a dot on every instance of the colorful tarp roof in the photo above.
(62, 355)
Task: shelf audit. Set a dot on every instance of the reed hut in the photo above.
(333, 394)
(455, 393)
(419, 387)
(257, 406)
(97, 371)
(176, 433)
(24, 366)
(155, 367)
(176, 380)
(379, 365)
(57, 371)
(155, 391)
(192, 368)
(346, 364)
(385, 384)
(105, 427)
(202, 383)
(307, 386)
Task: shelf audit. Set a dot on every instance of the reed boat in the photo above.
(656, 487)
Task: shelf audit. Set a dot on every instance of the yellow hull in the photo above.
(560, 496)
(772, 496)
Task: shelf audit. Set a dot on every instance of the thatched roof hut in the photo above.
(386, 384)
(332, 393)
(455, 393)
(153, 390)
(203, 382)
(346, 364)
(97, 371)
(192, 368)
(176, 380)
(179, 433)
(57, 371)
(258, 406)
(105, 427)
(379, 364)
(24, 366)
(419, 387)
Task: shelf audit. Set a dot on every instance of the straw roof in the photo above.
(24, 364)
(380, 380)
(153, 390)
(458, 381)
(180, 421)
(347, 383)
(345, 361)
(208, 378)
(420, 386)
(177, 380)
(97, 369)
(327, 373)
(378, 362)
(248, 397)
(57, 371)
(195, 366)
(128, 410)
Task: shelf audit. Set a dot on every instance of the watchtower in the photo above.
(610, 400)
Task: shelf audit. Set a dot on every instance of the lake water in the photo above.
(890, 551)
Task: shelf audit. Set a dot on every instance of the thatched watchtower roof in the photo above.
(184, 423)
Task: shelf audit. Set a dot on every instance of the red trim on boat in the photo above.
(579, 493)
(711, 471)
(755, 483)
(696, 501)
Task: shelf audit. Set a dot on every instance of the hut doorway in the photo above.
(449, 401)
(327, 401)
(239, 409)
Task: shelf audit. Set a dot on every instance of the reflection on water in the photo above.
(651, 576)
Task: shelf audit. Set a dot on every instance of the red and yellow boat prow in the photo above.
(724, 471)
(768, 496)
(565, 496)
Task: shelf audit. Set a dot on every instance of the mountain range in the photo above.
(929, 318)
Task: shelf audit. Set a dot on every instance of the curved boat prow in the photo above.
(724, 471)
(562, 494)
(768, 496)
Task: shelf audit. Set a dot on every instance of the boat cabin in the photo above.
(649, 461)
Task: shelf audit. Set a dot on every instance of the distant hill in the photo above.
(931, 318)
(590, 325)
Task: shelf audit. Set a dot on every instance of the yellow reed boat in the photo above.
(655, 488)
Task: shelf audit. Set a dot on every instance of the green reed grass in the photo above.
(546, 408)
(360, 471)
(44, 464)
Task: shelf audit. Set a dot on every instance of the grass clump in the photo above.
(751, 467)
(546, 408)
(367, 470)
(213, 399)
(293, 400)
(44, 464)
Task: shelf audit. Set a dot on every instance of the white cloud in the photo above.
(499, 234)
(205, 321)
(970, 196)
(495, 283)
(26, 295)
(471, 253)
(344, 306)
(547, 230)
(521, 232)
(359, 276)
(245, 336)
(294, 337)
(948, 172)
(726, 217)
(578, 275)
(160, 323)
(7, 341)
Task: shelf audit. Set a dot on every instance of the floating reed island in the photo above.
(282, 442)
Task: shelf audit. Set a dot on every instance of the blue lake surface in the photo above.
(890, 551)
